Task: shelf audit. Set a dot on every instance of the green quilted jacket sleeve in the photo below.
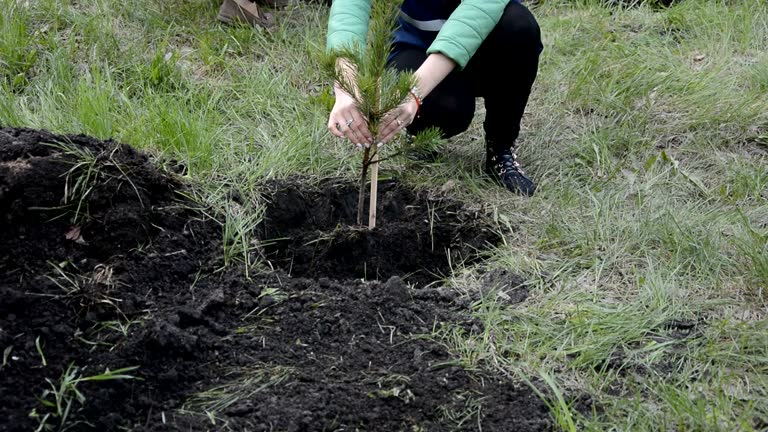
(348, 23)
(459, 39)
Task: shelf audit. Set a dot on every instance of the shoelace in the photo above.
(507, 161)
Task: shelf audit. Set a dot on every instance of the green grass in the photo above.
(647, 132)
(238, 384)
(63, 397)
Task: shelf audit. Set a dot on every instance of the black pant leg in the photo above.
(503, 71)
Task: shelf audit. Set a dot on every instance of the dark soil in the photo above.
(311, 232)
(135, 280)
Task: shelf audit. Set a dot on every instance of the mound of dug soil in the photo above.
(115, 311)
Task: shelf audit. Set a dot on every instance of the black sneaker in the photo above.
(503, 167)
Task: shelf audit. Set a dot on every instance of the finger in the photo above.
(387, 123)
(334, 130)
(358, 133)
(386, 138)
(386, 135)
(342, 131)
(361, 127)
(390, 129)
(351, 135)
(345, 123)
(399, 124)
(357, 127)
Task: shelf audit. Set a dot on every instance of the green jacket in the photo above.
(458, 39)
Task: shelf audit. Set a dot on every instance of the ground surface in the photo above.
(643, 256)
(136, 281)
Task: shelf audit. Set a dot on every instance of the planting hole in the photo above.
(310, 231)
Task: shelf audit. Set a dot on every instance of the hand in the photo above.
(346, 121)
(397, 120)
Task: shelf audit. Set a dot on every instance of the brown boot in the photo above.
(243, 11)
(276, 4)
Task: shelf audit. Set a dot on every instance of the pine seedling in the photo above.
(375, 88)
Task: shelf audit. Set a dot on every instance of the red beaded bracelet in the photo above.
(415, 93)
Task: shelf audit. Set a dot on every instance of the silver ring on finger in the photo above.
(350, 121)
(399, 122)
